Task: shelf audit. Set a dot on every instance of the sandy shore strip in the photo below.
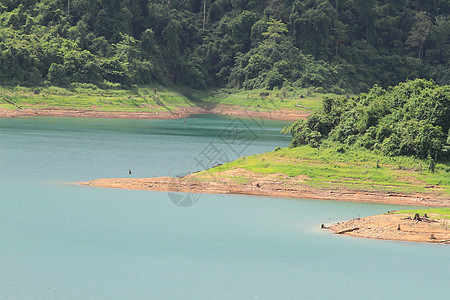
(272, 185)
(398, 227)
(181, 112)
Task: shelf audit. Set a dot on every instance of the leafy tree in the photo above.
(419, 32)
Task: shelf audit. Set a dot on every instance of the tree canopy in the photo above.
(335, 45)
(412, 118)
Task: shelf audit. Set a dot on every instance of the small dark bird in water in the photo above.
(129, 171)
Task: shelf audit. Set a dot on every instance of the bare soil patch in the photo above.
(92, 113)
(181, 112)
(399, 227)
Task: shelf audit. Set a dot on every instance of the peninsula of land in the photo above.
(402, 226)
(310, 173)
(240, 181)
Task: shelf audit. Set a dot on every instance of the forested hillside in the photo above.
(334, 45)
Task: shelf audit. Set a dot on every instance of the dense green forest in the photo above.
(333, 45)
(412, 118)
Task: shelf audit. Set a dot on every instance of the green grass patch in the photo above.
(356, 169)
(85, 96)
(261, 99)
(434, 213)
(156, 98)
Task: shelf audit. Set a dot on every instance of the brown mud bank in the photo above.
(182, 112)
(398, 227)
(239, 111)
(239, 181)
(81, 113)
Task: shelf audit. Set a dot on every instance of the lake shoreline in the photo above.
(180, 112)
(396, 227)
(383, 227)
(268, 185)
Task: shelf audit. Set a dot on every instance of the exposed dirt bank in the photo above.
(80, 113)
(239, 181)
(399, 227)
(284, 114)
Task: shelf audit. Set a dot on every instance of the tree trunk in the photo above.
(421, 51)
(337, 44)
(204, 14)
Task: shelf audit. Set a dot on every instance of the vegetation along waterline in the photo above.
(170, 59)
(306, 172)
(385, 146)
(250, 47)
(157, 102)
(392, 141)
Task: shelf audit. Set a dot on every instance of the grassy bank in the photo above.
(360, 170)
(154, 98)
(84, 96)
(433, 213)
(260, 99)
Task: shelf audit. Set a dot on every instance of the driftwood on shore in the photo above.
(12, 103)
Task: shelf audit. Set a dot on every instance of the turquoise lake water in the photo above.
(59, 240)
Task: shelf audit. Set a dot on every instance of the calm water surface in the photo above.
(63, 241)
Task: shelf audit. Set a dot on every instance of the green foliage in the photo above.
(412, 118)
(420, 32)
(333, 46)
